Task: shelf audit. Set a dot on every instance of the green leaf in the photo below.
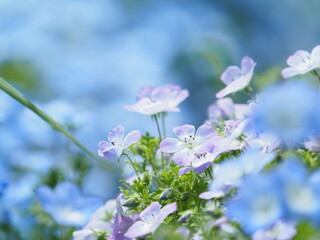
(14, 93)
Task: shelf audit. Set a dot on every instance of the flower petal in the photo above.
(210, 195)
(238, 84)
(146, 106)
(138, 229)
(165, 212)
(290, 72)
(184, 131)
(110, 155)
(205, 131)
(184, 170)
(116, 135)
(131, 138)
(184, 157)
(203, 167)
(247, 65)
(150, 213)
(297, 58)
(315, 54)
(171, 145)
(230, 74)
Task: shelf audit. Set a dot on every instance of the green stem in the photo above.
(248, 90)
(14, 93)
(163, 117)
(160, 137)
(134, 167)
(158, 126)
(317, 74)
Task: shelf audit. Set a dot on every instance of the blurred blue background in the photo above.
(82, 60)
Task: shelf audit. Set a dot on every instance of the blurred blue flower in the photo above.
(66, 204)
(3, 186)
(301, 194)
(291, 111)
(258, 204)
(230, 173)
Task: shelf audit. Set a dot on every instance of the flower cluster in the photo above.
(251, 171)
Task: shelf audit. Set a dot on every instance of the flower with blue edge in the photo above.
(151, 218)
(290, 111)
(153, 100)
(301, 194)
(230, 173)
(66, 204)
(258, 204)
(189, 143)
(235, 78)
(113, 148)
(302, 62)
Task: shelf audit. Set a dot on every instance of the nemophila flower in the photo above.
(117, 142)
(313, 144)
(235, 78)
(230, 173)
(290, 111)
(151, 218)
(301, 195)
(98, 223)
(281, 230)
(66, 204)
(225, 109)
(121, 222)
(302, 62)
(258, 204)
(3, 186)
(266, 141)
(200, 163)
(189, 143)
(152, 100)
(236, 134)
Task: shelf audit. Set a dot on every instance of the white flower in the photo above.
(302, 62)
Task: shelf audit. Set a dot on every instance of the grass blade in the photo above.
(14, 93)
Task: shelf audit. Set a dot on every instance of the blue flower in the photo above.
(66, 204)
(3, 186)
(258, 204)
(291, 111)
(300, 192)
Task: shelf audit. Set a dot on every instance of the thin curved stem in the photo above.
(158, 126)
(14, 93)
(133, 166)
(160, 137)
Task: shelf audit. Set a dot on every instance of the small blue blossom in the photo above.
(258, 204)
(300, 193)
(290, 111)
(66, 204)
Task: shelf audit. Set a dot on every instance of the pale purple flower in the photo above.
(97, 224)
(189, 143)
(236, 134)
(279, 231)
(152, 100)
(92, 231)
(201, 163)
(235, 78)
(121, 222)
(66, 204)
(302, 62)
(117, 142)
(230, 173)
(120, 227)
(268, 142)
(151, 218)
(313, 144)
(225, 109)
